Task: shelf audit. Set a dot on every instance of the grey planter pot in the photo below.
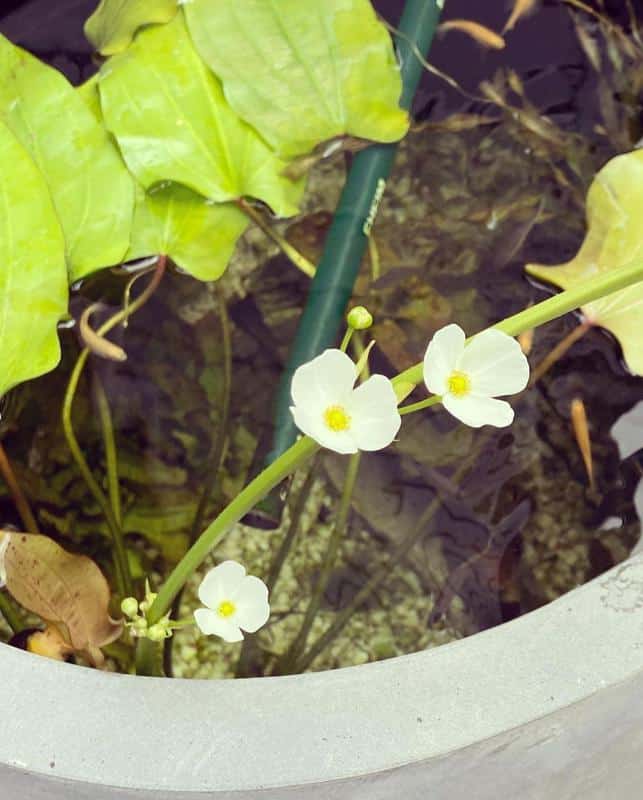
(548, 706)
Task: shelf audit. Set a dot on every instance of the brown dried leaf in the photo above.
(62, 588)
(483, 35)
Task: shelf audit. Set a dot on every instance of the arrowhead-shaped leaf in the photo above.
(172, 122)
(303, 71)
(197, 234)
(33, 276)
(112, 26)
(92, 191)
(62, 588)
(614, 238)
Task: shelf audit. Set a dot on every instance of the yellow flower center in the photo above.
(459, 384)
(336, 418)
(226, 608)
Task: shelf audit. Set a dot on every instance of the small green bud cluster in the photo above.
(138, 623)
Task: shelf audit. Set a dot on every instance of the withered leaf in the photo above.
(62, 588)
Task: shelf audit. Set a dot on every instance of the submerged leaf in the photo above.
(112, 26)
(302, 71)
(483, 35)
(62, 588)
(33, 276)
(181, 127)
(92, 191)
(197, 234)
(521, 8)
(614, 212)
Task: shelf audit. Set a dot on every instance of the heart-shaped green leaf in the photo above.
(614, 238)
(92, 190)
(172, 122)
(33, 276)
(112, 26)
(197, 234)
(303, 71)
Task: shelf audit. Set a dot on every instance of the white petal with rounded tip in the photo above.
(373, 408)
(326, 380)
(316, 428)
(442, 356)
(211, 624)
(253, 609)
(476, 410)
(220, 583)
(495, 364)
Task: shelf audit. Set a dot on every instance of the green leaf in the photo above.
(92, 191)
(33, 277)
(614, 238)
(197, 234)
(303, 71)
(172, 122)
(112, 26)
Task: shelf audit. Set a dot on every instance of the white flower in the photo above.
(234, 602)
(4, 543)
(329, 410)
(469, 376)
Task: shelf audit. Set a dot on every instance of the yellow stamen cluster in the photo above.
(336, 418)
(226, 608)
(459, 384)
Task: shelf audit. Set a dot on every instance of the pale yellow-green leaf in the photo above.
(303, 71)
(92, 190)
(614, 238)
(33, 275)
(172, 123)
(197, 234)
(112, 26)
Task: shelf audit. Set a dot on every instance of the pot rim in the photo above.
(254, 733)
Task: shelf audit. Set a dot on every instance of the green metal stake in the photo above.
(347, 238)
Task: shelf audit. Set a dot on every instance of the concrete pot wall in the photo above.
(546, 707)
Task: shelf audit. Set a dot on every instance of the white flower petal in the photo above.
(373, 409)
(253, 609)
(326, 380)
(316, 428)
(476, 410)
(210, 623)
(220, 583)
(442, 356)
(495, 364)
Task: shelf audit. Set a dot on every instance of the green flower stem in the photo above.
(248, 662)
(215, 457)
(290, 658)
(430, 401)
(347, 339)
(556, 306)
(121, 563)
(109, 443)
(256, 490)
(297, 258)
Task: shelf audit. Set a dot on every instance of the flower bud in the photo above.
(139, 626)
(129, 607)
(157, 632)
(359, 318)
